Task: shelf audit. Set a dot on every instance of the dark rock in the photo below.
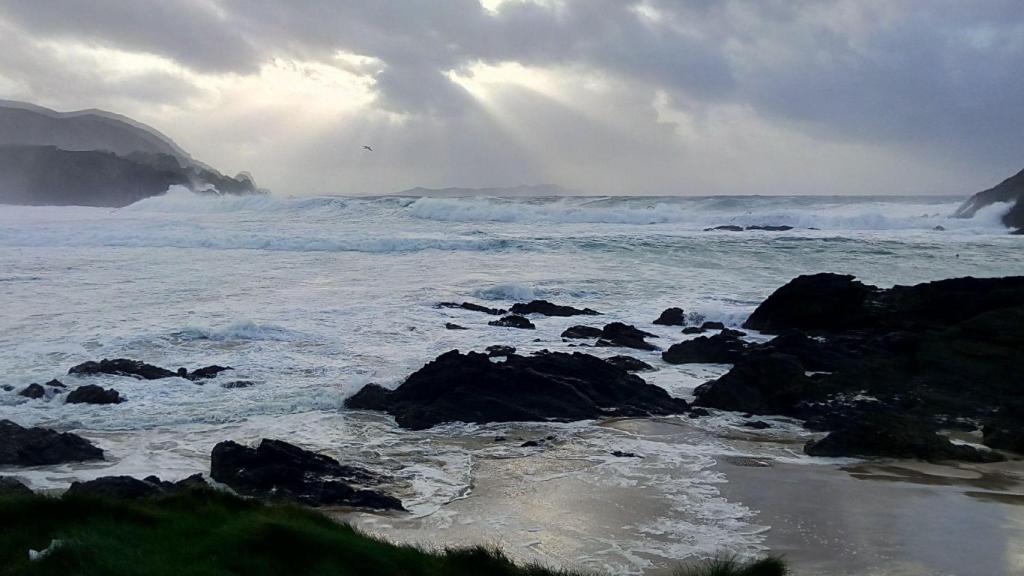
(451, 326)
(1006, 430)
(12, 487)
(115, 487)
(694, 330)
(238, 384)
(499, 438)
(51, 176)
(21, 446)
(474, 308)
(770, 228)
(7, 388)
(545, 386)
(276, 469)
(696, 412)
(894, 436)
(370, 397)
(1009, 190)
(129, 488)
(207, 372)
(581, 332)
(193, 482)
(622, 335)
(729, 332)
(55, 384)
(757, 425)
(671, 317)
(939, 228)
(830, 303)
(717, 349)
(713, 326)
(621, 454)
(630, 364)
(545, 308)
(34, 391)
(530, 444)
(498, 351)
(513, 322)
(122, 367)
(760, 384)
(818, 301)
(92, 394)
(727, 228)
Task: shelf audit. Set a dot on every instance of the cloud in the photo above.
(608, 94)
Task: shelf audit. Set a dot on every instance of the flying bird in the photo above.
(365, 147)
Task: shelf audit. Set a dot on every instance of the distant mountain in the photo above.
(1009, 190)
(540, 190)
(94, 158)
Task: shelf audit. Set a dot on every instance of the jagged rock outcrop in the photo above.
(1010, 190)
(276, 469)
(95, 158)
(458, 387)
(20, 446)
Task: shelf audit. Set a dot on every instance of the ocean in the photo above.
(312, 298)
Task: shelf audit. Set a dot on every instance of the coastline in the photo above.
(898, 518)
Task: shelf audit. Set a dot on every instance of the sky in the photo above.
(654, 97)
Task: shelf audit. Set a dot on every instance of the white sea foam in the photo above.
(508, 291)
(313, 298)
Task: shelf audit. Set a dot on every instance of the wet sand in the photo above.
(559, 508)
(892, 519)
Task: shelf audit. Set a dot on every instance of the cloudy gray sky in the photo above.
(605, 96)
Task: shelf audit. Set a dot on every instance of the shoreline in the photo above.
(896, 518)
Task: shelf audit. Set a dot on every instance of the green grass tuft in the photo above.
(206, 533)
(209, 533)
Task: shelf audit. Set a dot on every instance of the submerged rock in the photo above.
(238, 384)
(513, 321)
(545, 308)
(581, 332)
(33, 391)
(895, 437)
(458, 387)
(473, 308)
(20, 446)
(452, 326)
(92, 394)
(122, 367)
(694, 330)
(204, 373)
(276, 469)
(498, 351)
(671, 317)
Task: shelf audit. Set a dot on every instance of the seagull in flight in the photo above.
(365, 147)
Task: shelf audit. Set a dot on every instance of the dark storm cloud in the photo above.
(940, 75)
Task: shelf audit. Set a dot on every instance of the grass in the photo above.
(207, 533)
(731, 566)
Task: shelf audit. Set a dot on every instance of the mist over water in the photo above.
(312, 298)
